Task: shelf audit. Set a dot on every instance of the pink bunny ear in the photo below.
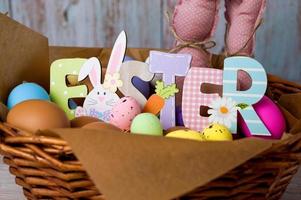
(242, 18)
(91, 67)
(195, 20)
(117, 54)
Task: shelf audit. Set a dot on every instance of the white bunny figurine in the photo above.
(100, 101)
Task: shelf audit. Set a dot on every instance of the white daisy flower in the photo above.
(223, 111)
(112, 82)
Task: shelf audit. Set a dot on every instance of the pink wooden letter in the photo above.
(193, 98)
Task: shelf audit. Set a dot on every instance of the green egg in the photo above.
(147, 124)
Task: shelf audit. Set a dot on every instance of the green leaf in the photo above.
(242, 105)
(166, 91)
(159, 87)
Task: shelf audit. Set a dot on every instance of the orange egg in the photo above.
(33, 115)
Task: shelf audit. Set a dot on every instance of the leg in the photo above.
(194, 20)
(242, 17)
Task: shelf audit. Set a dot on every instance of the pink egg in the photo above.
(125, 110)
(270, 115)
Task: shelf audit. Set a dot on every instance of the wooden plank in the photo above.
(97, 23)
(167, 38)
(92, 22)
(4, 6)
(8, 189)
(278, 40)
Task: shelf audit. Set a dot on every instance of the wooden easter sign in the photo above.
(222, 110)
(170, 66)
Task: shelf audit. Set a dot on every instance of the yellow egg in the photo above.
(217, 132)
(186, 134)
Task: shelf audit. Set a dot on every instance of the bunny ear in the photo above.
(117, 54)
(92, 68)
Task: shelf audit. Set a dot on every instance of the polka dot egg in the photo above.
(123, 113)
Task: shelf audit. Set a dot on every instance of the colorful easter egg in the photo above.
(72, 104)
(217, 132)
(127, 58)
(186, 134)
(123, 113)
(270, 115)
(147, 124)
(179, 116)
(26, 91)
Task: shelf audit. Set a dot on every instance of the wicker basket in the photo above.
(46, 168)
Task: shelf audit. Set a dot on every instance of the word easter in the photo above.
(172, 66)
(193, 98)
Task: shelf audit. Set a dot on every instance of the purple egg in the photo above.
(127, 58)
(179, 117)
(270, 114)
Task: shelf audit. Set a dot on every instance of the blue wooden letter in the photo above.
(250, 96)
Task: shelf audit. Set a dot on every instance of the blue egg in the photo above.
(127, 58)
(72, 104)
(26, 91)
(179, 117)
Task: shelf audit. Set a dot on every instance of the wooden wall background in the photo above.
(96, 23)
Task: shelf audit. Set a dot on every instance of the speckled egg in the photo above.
(123, 113)
(147, 124)
(186, 134)
(217, 132)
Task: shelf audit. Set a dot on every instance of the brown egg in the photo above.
(82, 121)
(33, 115)
(101, 125)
